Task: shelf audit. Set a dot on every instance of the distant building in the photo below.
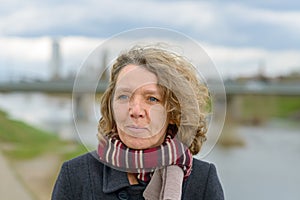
(55, 62)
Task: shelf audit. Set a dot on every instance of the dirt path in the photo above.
(10, 186)
(39, 174)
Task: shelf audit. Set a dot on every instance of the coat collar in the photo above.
(114, 180)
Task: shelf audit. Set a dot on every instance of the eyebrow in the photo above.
(150, 91)
(123, 89)
(145, 91)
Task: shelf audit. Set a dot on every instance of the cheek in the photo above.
(120, 111)
(158, 117)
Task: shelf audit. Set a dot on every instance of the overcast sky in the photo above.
(240, 36)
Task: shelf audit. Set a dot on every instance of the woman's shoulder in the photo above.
(201, 166)
(85, 161)
(82, 158)
(204, 169)
(78, 177)
(203, 182)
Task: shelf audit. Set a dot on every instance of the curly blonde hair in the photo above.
(186, 98)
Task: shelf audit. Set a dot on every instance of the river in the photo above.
(267, 167)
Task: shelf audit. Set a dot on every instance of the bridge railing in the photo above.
(232, 88)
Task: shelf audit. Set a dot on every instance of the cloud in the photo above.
(28, 50)
(33, 56)
(27, 57)
(281, 19)
(223, 23)
(236, 61)
(240, 34)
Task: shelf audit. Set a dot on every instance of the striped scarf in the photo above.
(114, 153)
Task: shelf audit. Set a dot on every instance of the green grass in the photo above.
(269, 106)
(287, 106)
(19, 140)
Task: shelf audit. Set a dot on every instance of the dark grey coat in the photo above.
(86, 178)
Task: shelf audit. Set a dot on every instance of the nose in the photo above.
(136, 108)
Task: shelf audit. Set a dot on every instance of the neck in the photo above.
(132, 179)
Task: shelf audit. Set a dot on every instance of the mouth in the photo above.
(137, 129)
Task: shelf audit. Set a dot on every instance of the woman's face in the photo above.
(138, 109)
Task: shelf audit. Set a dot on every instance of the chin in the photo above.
(136, 143)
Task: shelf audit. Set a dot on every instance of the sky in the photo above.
(243, 38)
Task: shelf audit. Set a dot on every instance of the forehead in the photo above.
(134, 77)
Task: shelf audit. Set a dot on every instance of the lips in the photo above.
(137, 129)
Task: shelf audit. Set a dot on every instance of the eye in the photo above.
(123, 97)
(153, 99)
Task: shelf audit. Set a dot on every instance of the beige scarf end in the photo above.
(165, 184)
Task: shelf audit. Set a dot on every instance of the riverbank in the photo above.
(33, 156)
(256, 110)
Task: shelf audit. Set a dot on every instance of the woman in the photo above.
(153, 121)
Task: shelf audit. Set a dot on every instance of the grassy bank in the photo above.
(263, 108)
(20, 141)
(36, 152)
(257, 110)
